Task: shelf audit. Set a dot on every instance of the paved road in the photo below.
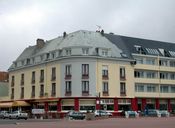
(148, 122)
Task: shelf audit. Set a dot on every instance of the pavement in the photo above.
(146, 122)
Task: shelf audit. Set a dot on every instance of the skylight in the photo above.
(152, 51)
(172, 53)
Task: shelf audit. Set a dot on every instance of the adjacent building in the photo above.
(87, 70)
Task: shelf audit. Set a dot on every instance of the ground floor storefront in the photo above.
(58, 107)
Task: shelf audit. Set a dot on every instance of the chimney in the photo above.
(102, 32)
(40, 43)
(64, 34)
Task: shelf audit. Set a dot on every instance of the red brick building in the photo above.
(3, 76)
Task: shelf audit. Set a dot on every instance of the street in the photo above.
(146, 122)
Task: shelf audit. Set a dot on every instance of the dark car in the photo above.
(76, 115)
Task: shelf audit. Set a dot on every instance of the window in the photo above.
(85, 86)
(104, 52)
(105, 87)
(53, 77)
(28, 61)
(53, 92)
(150, 75)
(163, 75)
(151, 88)
(138, 74)
(33, 91)
(139, 61)
(68, 71)
(22, 92)
(68, 87)
(85, 70)
(12, 93)
(22, 79)
(53, 55)
(122, 89)
(150, 61)
(41, 90)
(172, 89)
(68, 52)
(172, 63)
(41, 75)
(33, 77)
(13, 81)
(172, 76)
(47, 55)
(152, 51)
(85, 51)
(163, 62)
(139, 88)
(122, 72)
(139, 49)
(105, 72)
(164, 89)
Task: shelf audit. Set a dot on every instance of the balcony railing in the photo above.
(12, 84)
(32, 95)
(12, 96)
(53, 78)
(41, 93)
(105, 93)
(85, 76)
(33, 81)
(123, 93)
(122, 78)
(68, 76)
(105, 77)
(85, 93)
(68, 93)
(22, 82)
(53, 93)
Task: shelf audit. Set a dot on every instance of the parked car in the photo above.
(102, 113)
(152, 112)
(76, 115)
(131, 114)
(18, 115)
(164, 113)
(2, 114)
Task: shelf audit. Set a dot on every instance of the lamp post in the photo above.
(99, 98)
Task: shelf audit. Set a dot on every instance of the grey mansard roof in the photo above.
(117, 45)
(80, 38)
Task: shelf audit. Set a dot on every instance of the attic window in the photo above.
(85, 51)
(104, 52)
(139, 49)
(68, 52)
(47, 55)
(164, 52)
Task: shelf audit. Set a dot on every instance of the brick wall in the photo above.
(3, 76)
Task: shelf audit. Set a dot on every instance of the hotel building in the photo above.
(87, 70)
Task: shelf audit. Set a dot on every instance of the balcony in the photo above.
(105, 93)
(105, 77)
(68, 76)
(85, 93)
(68, 93)
(123, 93)
(85, 76)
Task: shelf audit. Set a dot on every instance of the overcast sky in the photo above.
(23, 21)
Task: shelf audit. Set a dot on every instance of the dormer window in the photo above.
(53, 55)
(33, 60)
(28, 61)
(139, 49)
(85, 51)
(68, 52)
(104, 52)
(47, 55)
(22, 62)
